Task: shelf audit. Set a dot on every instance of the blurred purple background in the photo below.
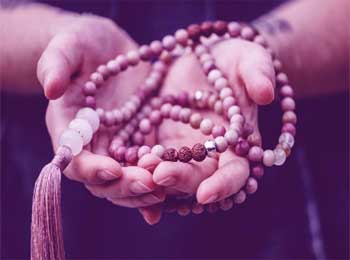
(300, 211)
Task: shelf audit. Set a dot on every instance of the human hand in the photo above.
(249, 70)
(79, 44)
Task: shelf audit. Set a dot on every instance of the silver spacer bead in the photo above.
(210, 148)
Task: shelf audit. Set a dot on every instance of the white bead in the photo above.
(158, 150)
(83, 128)
(231, 136)
(73, 140)
(91, 116)
(225, 92)
(280, 156)
(287, 138)
(233, 110)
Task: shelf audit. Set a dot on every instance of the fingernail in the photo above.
(150, 198)
(106, 175)
(211, 199)
(167, 181)
(139, 187)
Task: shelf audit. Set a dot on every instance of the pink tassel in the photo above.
(46, 229)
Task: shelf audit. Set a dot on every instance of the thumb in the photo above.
(257, 73)
(59, 61)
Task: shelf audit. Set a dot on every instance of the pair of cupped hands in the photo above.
(76, 49)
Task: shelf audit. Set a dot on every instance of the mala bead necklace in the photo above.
(145, 110)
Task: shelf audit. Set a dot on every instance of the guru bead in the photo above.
(210, 148)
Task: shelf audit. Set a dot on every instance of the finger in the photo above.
(133, 182)
(145, 200)
(257, 73)
(152, 214)
(183, 177)
(228, 179)
(149, 162)
(92, 168)
(60, 60)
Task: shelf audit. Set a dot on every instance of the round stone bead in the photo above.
(122, 62)
(118, 116)
(289, 117)
(282, 78)
(288, 104)
(169, 42)
(165, 110)
(280, 156)
(96, 78)
(155, 117)
(156, 47)
(181, 36)
(206, 126)
(90, 101)
(185, 115)
(251, 185)
(285, 148)
(145, 149)
(133, 57)
(198, 152)
(231, 137)
(277, 65)
(220, 83)
(200, 49)
(170, 154)
(240, 197)
(83, 128)
(109, 118)
(258, 171)
(195, 120)
(113, 66)
(207, 28)
(289, 128)
(158, 150)
(259, 39)
(242, 147)
(131, 155)
(145, 53)
(218, 107)
(220, 27)
(145, 126)
(221, 144)
(269, 158)
(233, 110)
(214, 75)
(287, 138)
(234, 29)
(185, 154)
(228, 102)
(287, 91)
(247, 33)
(218, 131)
(138, 138)
(194, 31)
(175, 112)
(89, 88)
(73, 140)
(119, 155)
(91, 116)
(225, 92)
(255, 154)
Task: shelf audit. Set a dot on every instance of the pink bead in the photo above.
(113, 67)
(282, 78)
(131, 155)
(205, 57)
(118, 116)
(225, 92)
(200, 49)
(258, 171)
(289, 128)
(165, 110)
(242, 148)
(221, 144)
(175, 112)
(211, 100)
(234, 29)
(214, 75)
(126, 114)
(96, 78)
(145, 53)
(277, 65)
(218, 107)
(145, 149)
(195, 120)
(247, 33)
(133, 57)
(228, 102)
(208, 66)
(237, 119)
(122, 62)
(146, 110)
(218, 130)
(289, 117)
(206, 126)
(185, 115)
(169, 99)
(169, 42)
(220, 83)
(259, 39)
(103, 70)
(156, 47)
(288, 104)
(233, 110)
(182, 98)
(160, 67)
(145, 126)
(155, 117)
(287, 91)
(101, 114)
(255, 154)
(181, 36)
(89, 89)
(240, 197)
(231, 137)
(123, 135)
(158, 150)
(138, 138)
(90, 101)
(251, 186)
(119, 155)
(109, 118)
(269, 158)
(166, 57)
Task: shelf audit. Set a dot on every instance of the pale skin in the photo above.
(305, 48)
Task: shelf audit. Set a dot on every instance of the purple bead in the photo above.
(155, 117)
(182, 98)
(218, 131)
(131, 155)
(255, 154)
(242, 147)
(119, 155)
(258, 171)
(289, 128)
(89, 88)
(90, 101)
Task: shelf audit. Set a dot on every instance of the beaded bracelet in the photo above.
(146, 109)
